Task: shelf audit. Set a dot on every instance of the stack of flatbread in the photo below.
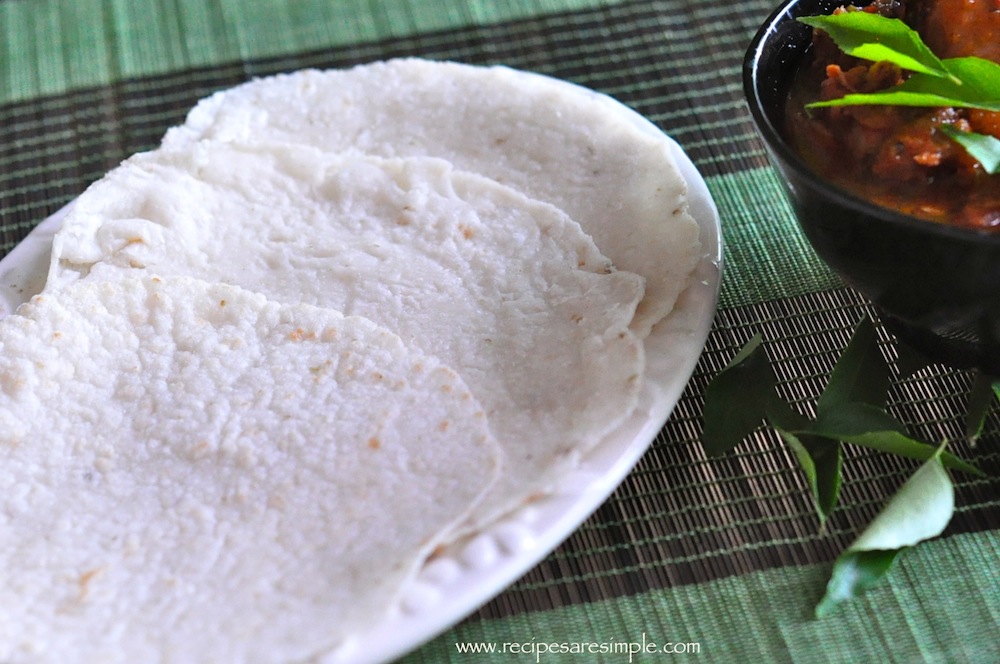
(337, 320)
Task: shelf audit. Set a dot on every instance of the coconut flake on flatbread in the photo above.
(192, 473)
(556, 142)
(507, 290)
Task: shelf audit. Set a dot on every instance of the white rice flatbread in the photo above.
(191, 473)
(553, 141)
(508, 291)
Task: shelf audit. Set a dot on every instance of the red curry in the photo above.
(895, 156)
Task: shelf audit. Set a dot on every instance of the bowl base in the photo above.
(962, 351)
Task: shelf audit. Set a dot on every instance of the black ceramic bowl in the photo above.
(937, 287)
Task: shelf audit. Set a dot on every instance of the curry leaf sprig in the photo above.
(877, 38)
(919, 510)
(850, 411)
(966, 82)
(984, 392)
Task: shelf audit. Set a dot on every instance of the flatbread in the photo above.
(551, 140)
(192, 473)
(508, 291)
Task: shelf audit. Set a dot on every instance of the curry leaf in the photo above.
(967, 82)
(866, 426)
(743, 396)
(920, 510)
(854, 418)
(819, 458)
(873, 37)
(976, 84)
(854, 573)
(984, 148)
(981, 396)
(860, 375)
(900, 96)
(821, 461)
(974, 79)
(978, 87)
(738, 398)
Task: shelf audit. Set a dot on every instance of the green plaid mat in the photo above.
(722, 552)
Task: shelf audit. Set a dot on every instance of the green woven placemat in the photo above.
(690, 539)
(766, 617)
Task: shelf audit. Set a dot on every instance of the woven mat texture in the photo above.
(85, 84)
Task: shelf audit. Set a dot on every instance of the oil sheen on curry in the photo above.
(894, 156)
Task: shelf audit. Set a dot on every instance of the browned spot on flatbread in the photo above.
(298, 334)
(84, 582)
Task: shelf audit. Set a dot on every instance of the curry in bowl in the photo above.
(901, 157)
(936, 286)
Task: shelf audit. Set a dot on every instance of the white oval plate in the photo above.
(462, 578)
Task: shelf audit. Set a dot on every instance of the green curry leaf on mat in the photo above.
(854, 573)
(851, 410)
(984, 392)
(821, 461)
(861, 374)
(873, 37)
(920, 510)
(743, 397)
(819, 458)
(863, 425)
(738, 399)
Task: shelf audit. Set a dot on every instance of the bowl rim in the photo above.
(788, 10)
